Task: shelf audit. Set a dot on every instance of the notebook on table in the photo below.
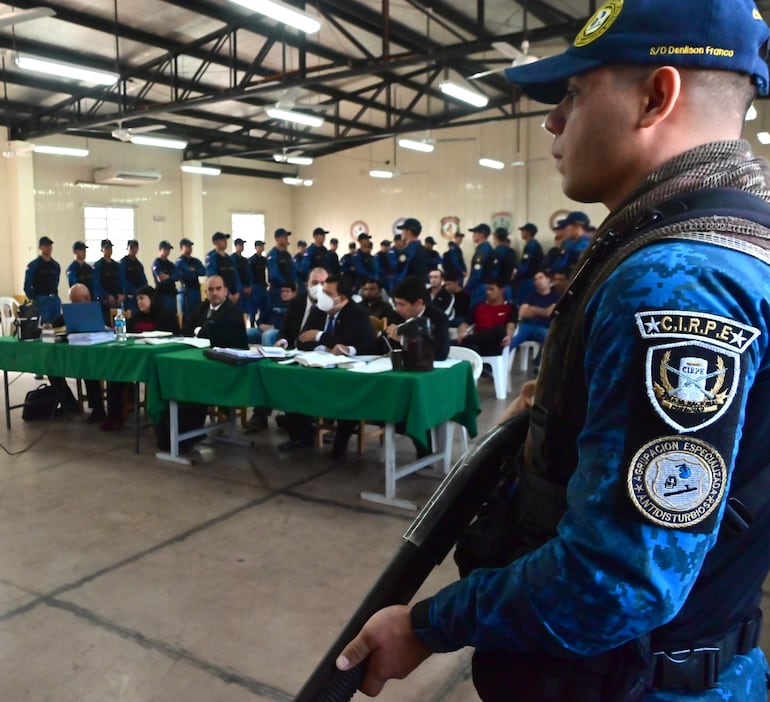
(82, 317)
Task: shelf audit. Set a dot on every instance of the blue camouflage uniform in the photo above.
(132, 277)
(165, 290)
(482, 272)
(676, 364)
(244, 275)
(280, 270)
(189, 269)
(532, 260)
(82, 273)
(224, 266)
(41, 284)
(413, 260)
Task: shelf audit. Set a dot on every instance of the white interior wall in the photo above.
(448, 182)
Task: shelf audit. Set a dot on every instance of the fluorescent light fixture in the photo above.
(162, 142)
(297, 181)
(283, 13)
(66, 70)
(751, 114)
(425, 146)
(377, 173)
(518, 164)
(460, 93)
(197, 169)
(763, 137)
(60, 150)
(294, 160)
(297, 117)
(491, 163)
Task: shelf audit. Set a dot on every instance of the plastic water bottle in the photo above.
(120, 326)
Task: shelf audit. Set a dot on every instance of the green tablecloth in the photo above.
(420, 400)
(129, 362)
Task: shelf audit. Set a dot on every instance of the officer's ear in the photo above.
(661, 90)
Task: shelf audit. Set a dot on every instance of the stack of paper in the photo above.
(89, 338)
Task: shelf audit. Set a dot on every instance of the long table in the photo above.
(421, 401)
(128, 362)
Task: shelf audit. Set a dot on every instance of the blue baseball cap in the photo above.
(412, 224)
(185, 242)
(578, 218)
(718, 35)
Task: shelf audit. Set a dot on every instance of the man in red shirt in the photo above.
(493, 323)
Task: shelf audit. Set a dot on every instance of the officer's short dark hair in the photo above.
(410, 289)
(372, 281)
(344, 284)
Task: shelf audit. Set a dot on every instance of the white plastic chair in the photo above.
(525, 349)
(501, 372)
(9, 308)
(466, 354)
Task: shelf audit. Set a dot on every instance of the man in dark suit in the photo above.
(411, 300)
(302, 312)
(346, 330)
(217, 307)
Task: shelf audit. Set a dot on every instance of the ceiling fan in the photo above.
(33, 13)
(519, 57)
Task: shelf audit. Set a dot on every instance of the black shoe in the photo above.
(280, 420)
(293, 444)
(95, 417)
(255, 423)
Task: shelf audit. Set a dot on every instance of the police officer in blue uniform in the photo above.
(365, 263)
(482, 265)
(317, 255)
(218, 262)
(280, 266)
(41, 282)
(348, 265)
(384, 264)
(166, 275)
(244, 275)
(107, 279)
(453, 261)
(259, 303)
(189, 269)
(531, 262)
(79, 271)
(132, 275)
(633, 562)
(414, 259)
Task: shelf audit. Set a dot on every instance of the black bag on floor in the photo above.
(40, 403)
(191, 416)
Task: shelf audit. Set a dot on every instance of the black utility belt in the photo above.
(698, 669)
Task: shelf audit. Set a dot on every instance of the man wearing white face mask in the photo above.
(346, 329)
(302, 310)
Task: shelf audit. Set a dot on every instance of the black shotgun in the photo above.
(426, 543)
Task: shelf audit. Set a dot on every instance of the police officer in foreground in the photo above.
(41, 282)
(636, 564)
(280, 266)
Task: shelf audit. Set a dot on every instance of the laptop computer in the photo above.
(82, 317)
(228, 334)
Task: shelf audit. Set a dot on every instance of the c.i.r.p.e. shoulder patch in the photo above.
(692, 364)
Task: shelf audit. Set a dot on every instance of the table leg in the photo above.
(393, 473)
(7, 401)
(137, 418)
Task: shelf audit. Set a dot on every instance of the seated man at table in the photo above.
(217, 306)
(412, 299)
(78, 293)
(346, 330)
(303, 312)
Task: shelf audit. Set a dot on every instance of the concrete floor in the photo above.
(127, 579)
